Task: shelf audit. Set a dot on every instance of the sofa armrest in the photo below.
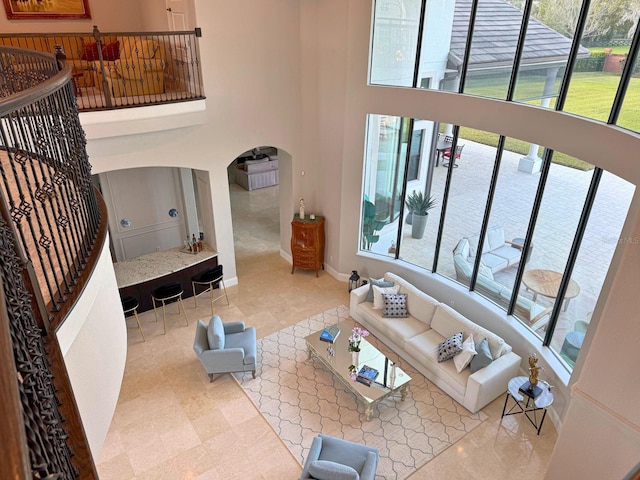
(223, 360)
(312, 456)
(370, 466)
(233, 327)
(490, 382)
(358, 295)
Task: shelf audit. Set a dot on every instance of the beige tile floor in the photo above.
(171, 423)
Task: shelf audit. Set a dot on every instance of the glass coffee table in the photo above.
(391, 379)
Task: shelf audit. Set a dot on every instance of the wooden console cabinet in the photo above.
(307, 243)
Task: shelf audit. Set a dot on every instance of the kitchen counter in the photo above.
(139, 276)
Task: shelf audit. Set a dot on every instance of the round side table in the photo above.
(527, 405)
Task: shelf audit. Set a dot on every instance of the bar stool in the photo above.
(165, 294)
(130, 307)
(208, 278)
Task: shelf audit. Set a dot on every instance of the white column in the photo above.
(532, 162)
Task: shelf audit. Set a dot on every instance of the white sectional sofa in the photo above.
(416, 339)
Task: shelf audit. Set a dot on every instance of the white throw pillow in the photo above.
(463, 359)
(378, 295)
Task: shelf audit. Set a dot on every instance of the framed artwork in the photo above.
(47, 9)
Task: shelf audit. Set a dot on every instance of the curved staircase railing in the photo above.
(52, 227)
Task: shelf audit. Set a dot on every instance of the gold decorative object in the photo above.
(534, 370)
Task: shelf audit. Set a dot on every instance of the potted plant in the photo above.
(419, 206)
(371, 225)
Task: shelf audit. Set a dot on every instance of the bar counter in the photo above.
(140, 276)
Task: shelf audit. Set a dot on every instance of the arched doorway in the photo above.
(254, 191)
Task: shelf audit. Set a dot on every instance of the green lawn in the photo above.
(590, 95)
(617, 50)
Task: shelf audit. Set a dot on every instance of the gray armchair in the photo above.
(334, 458)
(225, 347)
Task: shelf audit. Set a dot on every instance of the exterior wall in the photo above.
(93, 341)
(613, 63)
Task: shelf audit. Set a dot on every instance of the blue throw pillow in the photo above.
(482, 358)
(377, 283)
(215, 333)
(326, 470)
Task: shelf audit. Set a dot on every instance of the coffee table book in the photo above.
(529, 391)
(367, 375)
(329, 334)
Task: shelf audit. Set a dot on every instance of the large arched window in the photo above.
(530, 229)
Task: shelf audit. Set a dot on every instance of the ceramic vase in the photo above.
(355, 356)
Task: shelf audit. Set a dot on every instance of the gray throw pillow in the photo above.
(482, 358)
(326, 470)
(377, 283)
(215, 333)
(450, 347)
(395, 305)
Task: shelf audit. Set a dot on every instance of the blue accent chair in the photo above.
(334, 458)
(225, 347)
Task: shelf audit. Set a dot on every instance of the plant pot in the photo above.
(418, 226)
(409, 218)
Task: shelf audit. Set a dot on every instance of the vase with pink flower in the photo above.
(357, 334)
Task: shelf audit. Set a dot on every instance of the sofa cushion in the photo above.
(379, 283)
(328, 470)
(424, 347)
(451, 347)
(494, 238)
(90, 52)
(494, 262)
(463, 359)
(473, 245)
(419, 305)
(378, 292)
(395, 305)
(510, 254)
(111, 51)
(447, 321)
(485, 271)
(215, 333)
(482, 358)
(145, 48)
(398, 330)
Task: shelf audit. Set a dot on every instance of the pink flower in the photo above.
(357, 334)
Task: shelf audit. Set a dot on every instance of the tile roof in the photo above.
(496, 34)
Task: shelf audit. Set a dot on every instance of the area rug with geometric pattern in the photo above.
(300, 398)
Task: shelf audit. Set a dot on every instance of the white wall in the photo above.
(144, 196)
(93, 341)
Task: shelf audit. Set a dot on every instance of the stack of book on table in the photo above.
(532, 391)
(329, 334)
(367, 375)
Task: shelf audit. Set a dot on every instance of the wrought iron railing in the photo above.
(52, 226)
(124, 69)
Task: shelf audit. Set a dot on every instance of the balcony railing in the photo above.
(52, 228)
(119, 70)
